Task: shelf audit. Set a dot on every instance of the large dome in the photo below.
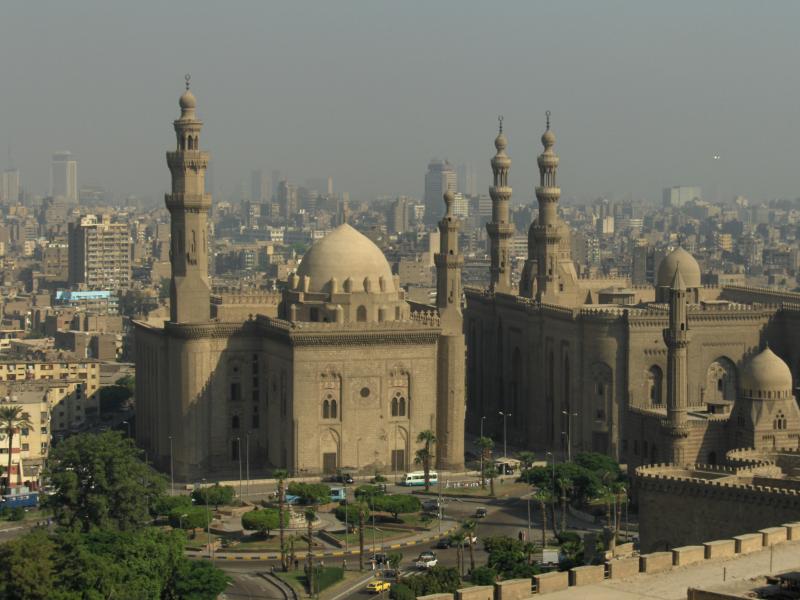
(766, 372)
(685, 262)
(345, 253)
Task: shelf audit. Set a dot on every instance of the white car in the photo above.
(426, 560)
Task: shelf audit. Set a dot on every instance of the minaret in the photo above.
(450, 406)
(500, 229)
(188, 205)
(545, 231)
(677, 337)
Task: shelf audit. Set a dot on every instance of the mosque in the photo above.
(341, 373)
(674, 373)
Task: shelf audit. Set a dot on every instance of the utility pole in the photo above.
(247, 459)
(505, 416)
(171, 470)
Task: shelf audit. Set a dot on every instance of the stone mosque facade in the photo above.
(675, 373)
(342, 374)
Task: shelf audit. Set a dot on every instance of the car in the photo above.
(480, 512)
(427, 560)
(378, 586)
(430, 505)
(380, 558)
(444, 543)
(341, 478)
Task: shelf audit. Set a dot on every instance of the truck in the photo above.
(27, 500)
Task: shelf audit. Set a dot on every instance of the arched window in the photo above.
(395, 407)
(780, 421)
(235, 422)
(326, 409)
(361, 314)
(654, 383)
(402, 409)
(334, 410)
(190, 143)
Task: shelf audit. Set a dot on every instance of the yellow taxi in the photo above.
(378, 586)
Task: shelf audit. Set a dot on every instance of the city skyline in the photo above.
(650, 118)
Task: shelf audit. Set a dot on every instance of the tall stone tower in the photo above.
(450, 410)
(546, 231)
(499, 228)
(677, 337)
(188, 205)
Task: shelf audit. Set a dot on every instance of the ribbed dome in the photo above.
(678, 259)
(345, 253)
(766, 372)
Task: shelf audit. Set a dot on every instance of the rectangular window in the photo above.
(236, 392)
(25, 447)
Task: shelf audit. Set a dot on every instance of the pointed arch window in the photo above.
(779, 423)
(398, 404)
(330, 407)
(326, 409)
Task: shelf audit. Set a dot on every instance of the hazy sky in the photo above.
(643, 94)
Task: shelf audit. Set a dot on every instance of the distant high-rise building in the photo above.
(64, 177)
(400, 214)
(440, 178)
(99, 253)
(9, 186)
(467, 180)
(679, 195)
(277, 177)
(260, 187)
(460, 206)
(323, 185)
(287, 199)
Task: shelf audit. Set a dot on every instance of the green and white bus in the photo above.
(418, 478)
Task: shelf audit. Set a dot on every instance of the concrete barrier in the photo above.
(513, 589)
(623, 549)
(773, 535)
(436, 597)
(686, 555)
(623, 568)
(655, 562)
(748, 542)
(587, 575)
(720, 548)
(551, 582)
(792, 531)
(479, 592)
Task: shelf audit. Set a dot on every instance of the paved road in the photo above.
(249, 585)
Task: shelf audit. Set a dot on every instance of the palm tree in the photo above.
(12, 419)
(565, 487)
(458, 539)
(362, 515)
(491, 473)
(425, 455)
(309, 514)
(529, 548)
(527, 458)
(469, 527)
(485, 446)
(543, 496)
(282, 475)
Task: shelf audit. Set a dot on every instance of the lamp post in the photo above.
(247, 461)
(128, 426)
(505, 447)
(569, 416)
(482, 420)
(528, 499)
(208, 525)
(171, 470)
(239, 456)
(180, 520)
(346, 527)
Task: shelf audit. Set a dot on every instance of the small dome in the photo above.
(346, 255)
(187, 100)
(500, 142)
(678, 259)
(548, 139)
(766, 372)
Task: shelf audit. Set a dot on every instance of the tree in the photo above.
(483, 576)
(438, 580)
(543, 496)
(367, 492)
(565, 488)
(191, 517)
(394, 559)
(526, 459)
(100, 481)
(263, 521)
(113, 398)
(491, 473)
(310, 515)
(216, 495)
(165, 504)
(508, 557)
(310, 493)
(458, 539)
(27, 567)
(396, 504)
(400, 591)
(363, 514)
(469, 527)
(485, 446)
(425, 454)
(352, 510)
(12, 420)
(197, 580)
(282, 475)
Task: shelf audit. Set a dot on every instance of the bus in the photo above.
(418, 478)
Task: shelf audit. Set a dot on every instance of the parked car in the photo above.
(480, 512)
(444, 543)
(427, 560)
(378, 586)
(342, 478)
(430, 505)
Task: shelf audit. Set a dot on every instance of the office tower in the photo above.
(467, 180)
(460, 206)
(260, 187)
(440, 178)
(287, 199)
(99, 253)
(64, 177)
(400, 213)
(277, 177)
(677, 196)
(9, 186)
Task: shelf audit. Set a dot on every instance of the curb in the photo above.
(336, 553)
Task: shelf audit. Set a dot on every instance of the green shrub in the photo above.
(264, 520)
(400, 591)
(215, 495)
(191, 517)
(310, 493)
(324, 577)
(483, 576)
(368, 492)
(16, 514)
(396, 504)
(352, 513)
(165, 504)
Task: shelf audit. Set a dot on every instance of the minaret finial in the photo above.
(500, 121)
(188, 78)
(547, 116)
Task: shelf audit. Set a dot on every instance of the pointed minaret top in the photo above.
(677, 281)
(548, 137)
(449, 199)
(187, 101)
(500, 142)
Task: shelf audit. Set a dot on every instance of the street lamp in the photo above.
(129, 427)
(208, 524)
(569, 416)
(239, 456)
(481, 438)
(505, 447)
(247, 461)
(171, 470)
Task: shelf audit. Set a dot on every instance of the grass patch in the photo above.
(501, 490)
(325, 577)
